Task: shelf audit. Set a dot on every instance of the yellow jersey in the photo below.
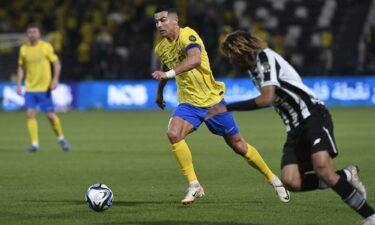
(37, 62)
(196, 86)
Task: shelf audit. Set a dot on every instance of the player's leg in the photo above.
(32, 123)
(310, 181)
(318, 135)
(178, 128)
(254, 159)
(252, 156)
(47, 107)
(294, 169)
(295, 162)
(57, 129)
(225, 126)
(291, 177)
(322, 163)
(32, 126)
(182, 122)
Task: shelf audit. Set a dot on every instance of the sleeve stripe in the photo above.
(195, 45)
(263, 58)
(267, 76)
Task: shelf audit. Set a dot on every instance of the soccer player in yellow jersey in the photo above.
(35, 58)
(183, 57)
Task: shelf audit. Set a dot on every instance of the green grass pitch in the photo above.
(130, 153)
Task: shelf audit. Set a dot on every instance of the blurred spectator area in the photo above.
(98, 39)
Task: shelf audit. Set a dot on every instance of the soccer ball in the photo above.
(99, 197)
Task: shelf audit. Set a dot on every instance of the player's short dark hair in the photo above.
(166, 8)
(32, 25)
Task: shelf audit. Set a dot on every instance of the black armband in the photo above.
(244, 105)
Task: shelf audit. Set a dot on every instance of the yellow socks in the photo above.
(56, 125)
(255, 160)
(182, 154)
(32, 126)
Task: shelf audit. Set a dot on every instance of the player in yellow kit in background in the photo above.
(183, 56)
(35, 58)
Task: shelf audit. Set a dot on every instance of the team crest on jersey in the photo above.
(266, 67)
(192, 38)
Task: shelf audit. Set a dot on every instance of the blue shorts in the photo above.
(222, 124)
(41, 99)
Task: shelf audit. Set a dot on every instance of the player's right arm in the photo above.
(159, 95)
(20, 71)
(20, 75)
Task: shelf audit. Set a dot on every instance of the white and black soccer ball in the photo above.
(99, 197)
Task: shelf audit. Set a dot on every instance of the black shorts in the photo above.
(313, 135)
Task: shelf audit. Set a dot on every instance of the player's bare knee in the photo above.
(239, 146)
(51, 116)
(291, 184)
(174, 136)
(30, 114)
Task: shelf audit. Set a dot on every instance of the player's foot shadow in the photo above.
(82, 202)
(135, 203)
(63, 202)
(174, 202)
(163, 222)
(165, 203)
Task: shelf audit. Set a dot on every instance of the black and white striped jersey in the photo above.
(293, 100)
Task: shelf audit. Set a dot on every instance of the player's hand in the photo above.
(160, 102)
(215, 110)
(54, 84)
(158, 75)
(19, 90)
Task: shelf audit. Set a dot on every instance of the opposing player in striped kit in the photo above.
(310, 143)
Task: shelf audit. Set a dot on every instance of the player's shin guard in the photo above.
(56, 126)
(32, 126)
(352, 198)
(183, 156)
(255, 160)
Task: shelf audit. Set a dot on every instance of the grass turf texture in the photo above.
(129, 152)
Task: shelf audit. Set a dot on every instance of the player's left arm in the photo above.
(56, 74)
(264, 100)
(192, 60)
(20, 70)
(54, 59)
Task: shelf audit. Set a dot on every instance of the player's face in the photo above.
(242, 61)
(165, 23)
(33, 34)
(239, 62)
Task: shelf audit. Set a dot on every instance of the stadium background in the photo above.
(106, 47)
(106, 50)
(106, 39)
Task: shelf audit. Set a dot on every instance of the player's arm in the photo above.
(159, 95)
(269, 83)
(56, 74)
(265, 99)
(20, 76)
(192, 60)
(20, 70)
